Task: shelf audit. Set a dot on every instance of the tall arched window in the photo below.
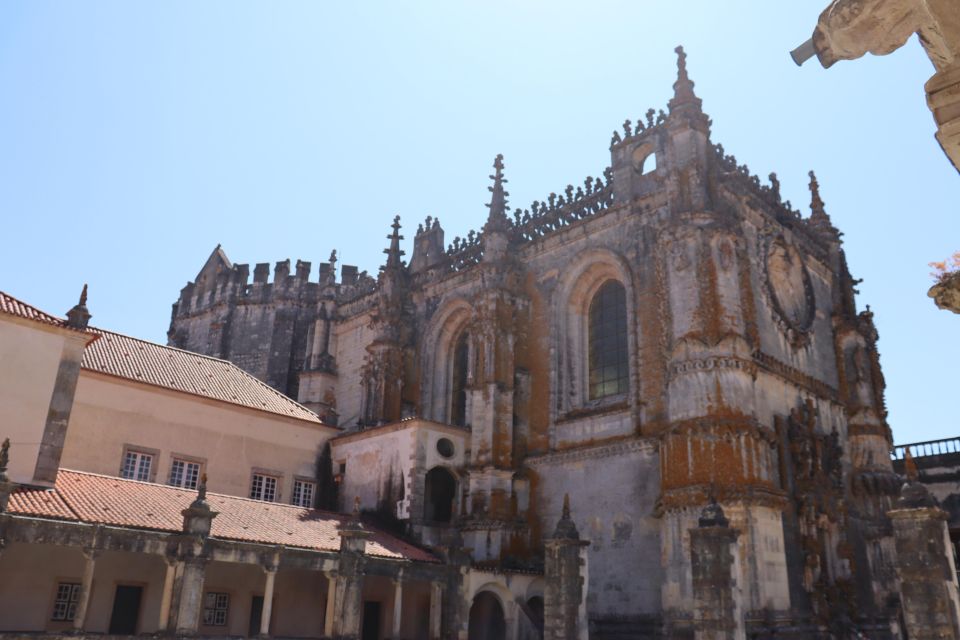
(458, 386)
(608, 367)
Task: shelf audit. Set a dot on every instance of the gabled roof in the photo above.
(179, 370)
(96, 499)
(15, 307)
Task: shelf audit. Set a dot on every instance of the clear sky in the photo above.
(136, 136)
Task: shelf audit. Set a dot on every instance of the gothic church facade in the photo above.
(666, 336)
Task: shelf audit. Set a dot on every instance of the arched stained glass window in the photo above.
(609, 370)
(458, 408)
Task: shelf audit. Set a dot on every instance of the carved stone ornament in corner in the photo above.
(946, 293)
(789, 289)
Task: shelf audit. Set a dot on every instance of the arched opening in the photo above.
(649, 164)
(458, 386)
(608, 364)
(487, 621)
(439, 493)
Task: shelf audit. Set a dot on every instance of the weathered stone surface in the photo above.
(946, 293)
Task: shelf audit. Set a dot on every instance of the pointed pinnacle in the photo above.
(910, 466)
(816, 204)
(497, 219)
(83, 296)
(394, 252)
(566, 506)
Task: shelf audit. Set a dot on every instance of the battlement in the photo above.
(221, 283)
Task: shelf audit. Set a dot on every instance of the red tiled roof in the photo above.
(96, 499)
(14, 307)
(156, 364)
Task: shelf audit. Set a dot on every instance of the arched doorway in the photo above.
(439, 493)
(487, 621)
(534, 611)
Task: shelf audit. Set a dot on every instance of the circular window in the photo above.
(445, 447)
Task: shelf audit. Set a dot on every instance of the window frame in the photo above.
(467, 356)
(570, 302)
(297, 483)
(186, 460)
(266, 474)
(73, 598)
(141, 452)
(622, 342)
(215, 608)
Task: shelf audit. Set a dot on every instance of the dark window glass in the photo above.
(458, 412)
(608, 365)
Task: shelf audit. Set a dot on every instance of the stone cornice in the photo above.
(591, 452)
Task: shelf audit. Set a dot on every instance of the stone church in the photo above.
(664, 342)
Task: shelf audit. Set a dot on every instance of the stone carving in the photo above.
(790, 289)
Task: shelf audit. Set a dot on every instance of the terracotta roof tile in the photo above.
(14, 307)
(97, 499)
(42, 503)
(156, 364)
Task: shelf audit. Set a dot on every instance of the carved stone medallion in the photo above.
(790, 289)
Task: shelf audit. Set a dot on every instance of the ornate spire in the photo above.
(819, 219)
(684, 99)
(201, 500)
(497, 219)
(566, 528)
(78, 317)
(394, 252)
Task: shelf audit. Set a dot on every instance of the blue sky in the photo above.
(136, 136)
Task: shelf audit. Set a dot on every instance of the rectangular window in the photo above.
(263, 487)
(303, 492)
(65, 604)
(136, 465)
(215, 608)
(184, 473)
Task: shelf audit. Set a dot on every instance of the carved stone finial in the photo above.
(819, 219)
(684, 101)
(497, 219)
(775, 185)
(910, 466)
(356, 507)
(566, 528)
(4, 459)
(712, 515)
(394, 252)
(200, 502)
(79, 317)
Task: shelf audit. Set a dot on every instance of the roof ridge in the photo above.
(32, 307)
(230, 364)
(210, 494)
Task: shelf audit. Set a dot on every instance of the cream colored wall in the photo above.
(28, 577)
(110, 413)
(370, 462)
(29, 359)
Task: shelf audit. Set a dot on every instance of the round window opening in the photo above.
(445, 447)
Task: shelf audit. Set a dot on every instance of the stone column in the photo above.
(267, 611)
(330, 611)
(348, 607)
(190, 597)
(925, 565)
(166, 597)
(436, 607)
(86, 589)
(717, 611)
(565, 588)
(187, 600)
(397, 606)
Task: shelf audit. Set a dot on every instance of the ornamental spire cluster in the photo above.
(497, 219)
